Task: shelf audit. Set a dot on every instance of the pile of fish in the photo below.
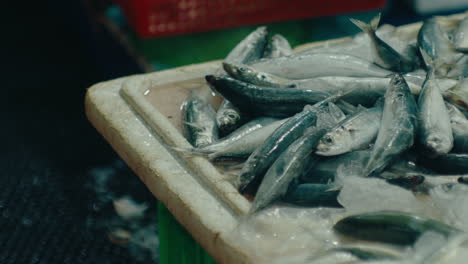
(375, 106)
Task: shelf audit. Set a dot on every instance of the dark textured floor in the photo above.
(50, 209)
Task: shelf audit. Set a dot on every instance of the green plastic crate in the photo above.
(176, 245)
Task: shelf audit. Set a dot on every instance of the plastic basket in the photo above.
(157, 18)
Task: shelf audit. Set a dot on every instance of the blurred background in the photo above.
(66, 196)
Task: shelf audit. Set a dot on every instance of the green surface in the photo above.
(176, 245)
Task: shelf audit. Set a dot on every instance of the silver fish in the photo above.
(460, 129)
(199, 120)
(275, 102)
(355, 132)
(291, 164)
(435, 131)
(278, 46)
(229, 117)
(438, 51)
(384, 55)
(248, 74)
(240, 143)
(461, 35)
(319, 64)
(398, 126)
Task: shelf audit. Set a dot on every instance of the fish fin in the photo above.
(194, 125)
(336, 112)
(368, 28)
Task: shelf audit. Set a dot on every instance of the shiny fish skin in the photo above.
(367, 252)
(272, 102)
(398, 126)
(435, 130)
(434, 42)
(451, 163)
(356, 132)
(261, 159)
(228, 117)
(384, 55)
(248, 74)
(292, 163)
(200, 121)
(319, 64)
(242, 142)
(278, 46)
(460, 129)
(250, 48)
(390, 227)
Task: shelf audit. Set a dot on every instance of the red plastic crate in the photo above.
(157, 18)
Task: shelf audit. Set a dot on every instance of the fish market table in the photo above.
(140, 117)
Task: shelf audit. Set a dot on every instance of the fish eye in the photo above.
(328, 140)
(232, 116)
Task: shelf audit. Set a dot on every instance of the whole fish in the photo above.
(398, 126)
(261, 159)
(278, 46)
(272, 102)
(319, 64)
(459, 125)
(384, 55)
(390, 227)
(355, 132)
(434, 42)
(199, 120)
(240, 143)
(435, 130)
(248, 74)
(229, 117)
(291, 164)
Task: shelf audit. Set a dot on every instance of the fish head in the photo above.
(438, 145)
(334, 143)
(238, 71)
(228, 118)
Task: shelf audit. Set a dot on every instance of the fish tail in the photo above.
(368, 28)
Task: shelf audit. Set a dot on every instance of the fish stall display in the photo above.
(366, 139)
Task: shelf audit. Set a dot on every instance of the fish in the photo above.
(248, 74)
(262, 101)
(318, 65)
(370, 252)
(435, 130)
(311, 194)
(458, 94)
(240, 143)
(398, 126)
(434, 41)
(384, 55)
(459, 125)
(261, 159)
(354, 133)
(251, 48)
(278, 46)
(451, 163)
(199, 119)
(291, 164)
(390, 227)
(228, 117)
(460, 39)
